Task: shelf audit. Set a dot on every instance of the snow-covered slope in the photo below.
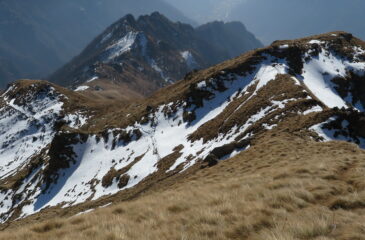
(310, 87)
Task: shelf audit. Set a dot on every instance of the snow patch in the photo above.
(76, 120)
(81, 88)
(92, 79)
(313, 110)
(316, 42)
(285, 46)
(201, 85)
(122, 46)
(189, 59)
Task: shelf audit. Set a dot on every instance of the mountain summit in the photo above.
(139, 56)
(62, 151)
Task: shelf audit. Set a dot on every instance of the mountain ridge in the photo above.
(308, 88)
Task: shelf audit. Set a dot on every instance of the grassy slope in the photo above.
(285, 187)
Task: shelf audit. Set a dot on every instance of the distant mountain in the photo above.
(139, 56)
(232, 36)
(38, 36)
(281, 19)
(62, 153)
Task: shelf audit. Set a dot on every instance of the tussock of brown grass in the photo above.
(48, 226)
(349, 202)
(261, 195)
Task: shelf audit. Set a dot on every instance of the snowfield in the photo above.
(318, 73)
(26, 131)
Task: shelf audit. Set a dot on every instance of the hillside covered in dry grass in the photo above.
(285, 187)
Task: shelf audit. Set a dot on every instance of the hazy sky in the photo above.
(271, 20)
(204, 11)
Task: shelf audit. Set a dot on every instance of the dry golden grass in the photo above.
(283, 188)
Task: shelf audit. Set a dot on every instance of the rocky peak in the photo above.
(151, 50)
